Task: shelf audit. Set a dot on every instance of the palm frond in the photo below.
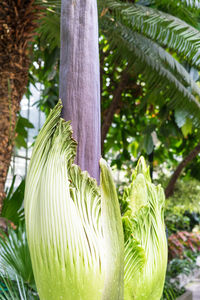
(157, 67)
(189, 4)
(15, 289)
(12, 206)
(177, 8)
(165, 29)
(49, 4)
(192, 3)
(158, 56)
(15, 257)
(49, 30)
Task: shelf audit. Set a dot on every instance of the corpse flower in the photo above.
(74, 227)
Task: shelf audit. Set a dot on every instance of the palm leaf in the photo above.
(188, 4)
(49, 30)
(14, 256)
(165, 29)
(12, 205)
(160, 70)
(15, 289)
(177, 8)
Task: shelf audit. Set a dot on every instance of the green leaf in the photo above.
(134, 148)
(161, 71)
(24, 122)
(180, 117)
(15, 289)
(13, 203)
(15, 257)
(20, 142)
(148, 143)
(21, 129)
(187, 127)
(161, 27)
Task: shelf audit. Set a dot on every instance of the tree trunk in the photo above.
(170, 188)
(115, 104)
(125, 83)
(80, 79)
(16, 30)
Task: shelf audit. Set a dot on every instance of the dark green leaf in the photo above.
(148, 143)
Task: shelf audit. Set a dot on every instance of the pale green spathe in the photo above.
(68, 221)
(145, 267)
(112, 227)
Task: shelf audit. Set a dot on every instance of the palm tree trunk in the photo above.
(170, 187)
(9, 105)
(80, 79)
(16, 30)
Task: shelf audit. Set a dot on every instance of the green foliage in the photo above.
(136, 32)
(171, 289)
(15, 289)
(15, 258)
(46, 72)
(49, 31)
(22, 127)
(163, 28)
(12, 204)
(176, 221)
(144, 123)
(183, 122)
(141, 55)
(186, 196)
(182, 208)
(180, 266)
(193, 169)
(148, 143)
(177, 5)
(176, 267)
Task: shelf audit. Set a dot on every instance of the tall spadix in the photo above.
(79, 80)
(74, 227)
